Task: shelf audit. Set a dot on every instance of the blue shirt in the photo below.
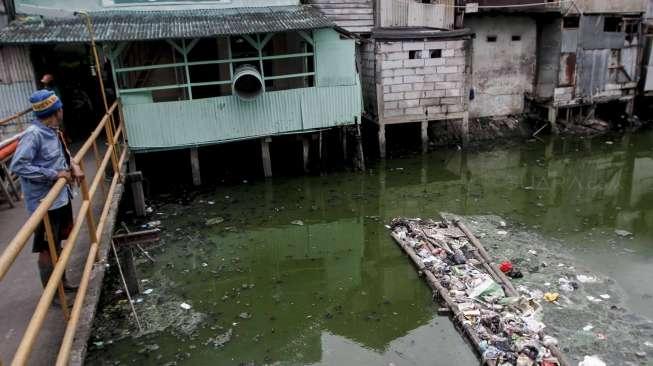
(39, 157)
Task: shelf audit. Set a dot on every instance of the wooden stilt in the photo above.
(425, 136)
(306, 145)
(126, 258)
(195, 166)
(265, 153)
(382, 141)
(360, 157)
(136, 181)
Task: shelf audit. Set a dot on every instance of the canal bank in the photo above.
(301, 270)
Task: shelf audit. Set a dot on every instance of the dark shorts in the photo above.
(61, 220)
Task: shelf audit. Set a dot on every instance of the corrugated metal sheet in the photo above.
(14, 98)
(115, 26)
(594, 72)
(214, 120)
(15, 65)
(593, 35)
(408, 13)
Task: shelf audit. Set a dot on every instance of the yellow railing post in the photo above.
(54, 257)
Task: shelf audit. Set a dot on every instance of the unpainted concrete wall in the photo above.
(549, 40)
(426, 87)
(502, 71)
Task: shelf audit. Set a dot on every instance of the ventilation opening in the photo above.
(414, 55)
(516, 38)
(612, 24)
(492, 39)
(436, 53)
(571, 22)
(248, 83)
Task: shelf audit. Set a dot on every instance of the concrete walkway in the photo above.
(21, 289)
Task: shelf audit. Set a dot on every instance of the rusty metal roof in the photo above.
(114, 26)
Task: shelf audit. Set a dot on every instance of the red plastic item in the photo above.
(8, 150)
(505, 267)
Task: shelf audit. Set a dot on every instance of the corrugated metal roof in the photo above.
(113, 26)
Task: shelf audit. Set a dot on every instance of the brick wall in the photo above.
(422, 79)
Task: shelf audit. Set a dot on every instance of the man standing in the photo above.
(41, 159)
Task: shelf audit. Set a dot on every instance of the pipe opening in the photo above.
(247, 82)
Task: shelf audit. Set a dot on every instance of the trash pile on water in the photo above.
(505, 326)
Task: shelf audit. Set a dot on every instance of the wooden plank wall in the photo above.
(354, 15)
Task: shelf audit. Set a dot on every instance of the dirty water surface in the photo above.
(303, 271)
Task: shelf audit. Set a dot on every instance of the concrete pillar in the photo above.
(425, 136)
(195, 166)
(265, 153)
(630, 107)
(553, 119)
(306, 145)
(382, 141)
(464, 128)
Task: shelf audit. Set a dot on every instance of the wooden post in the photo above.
(465, 129)
(126, 257)
(553, 119)
(360, 156)
(265, 153)
(54, 257)
(306, 145)
(382, 141)
(195, 166)
(136, 179)
(425, 136)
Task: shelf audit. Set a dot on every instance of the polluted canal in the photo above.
(303, 271)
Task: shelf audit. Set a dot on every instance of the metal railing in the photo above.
(115, 155)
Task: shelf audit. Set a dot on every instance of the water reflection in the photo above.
(337, 290)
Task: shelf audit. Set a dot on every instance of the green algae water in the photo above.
(302, 271)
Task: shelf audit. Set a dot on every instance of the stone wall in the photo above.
(422, 79)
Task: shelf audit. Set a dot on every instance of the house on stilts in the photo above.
(200, 72)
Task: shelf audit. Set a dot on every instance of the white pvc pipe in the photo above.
(247, 82)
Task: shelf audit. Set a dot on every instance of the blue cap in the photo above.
(45, 103)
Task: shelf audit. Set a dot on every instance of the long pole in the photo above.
(98, 72)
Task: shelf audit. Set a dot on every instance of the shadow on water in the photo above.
(302, 269)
